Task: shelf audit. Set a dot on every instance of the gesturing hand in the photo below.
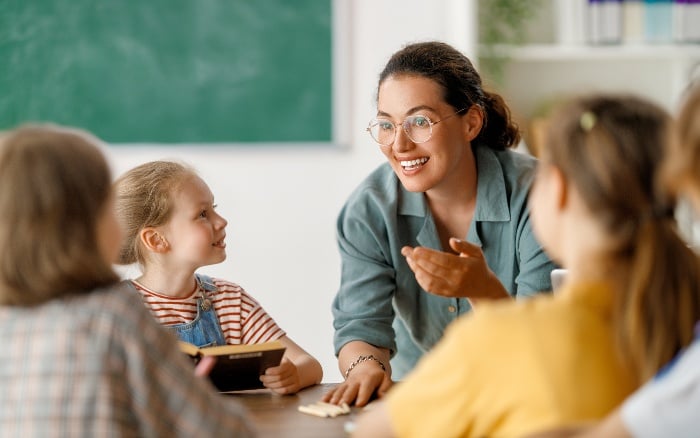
(462, 275)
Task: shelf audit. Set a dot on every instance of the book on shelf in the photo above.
(686, 21)
(238, 367)
(658, 21)
(600, 22)
(633, 22)
(604, 21)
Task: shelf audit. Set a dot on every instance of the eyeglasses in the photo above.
(418, 128)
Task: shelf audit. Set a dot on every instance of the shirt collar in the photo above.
(491, 198)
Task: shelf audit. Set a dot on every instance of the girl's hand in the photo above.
(282, 379)
(204, 366)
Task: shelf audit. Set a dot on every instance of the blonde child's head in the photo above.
(610, 148)
(55, 215)
(145, 199)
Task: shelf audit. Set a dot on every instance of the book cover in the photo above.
(238, 367)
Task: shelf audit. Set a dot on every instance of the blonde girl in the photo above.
(172, 229)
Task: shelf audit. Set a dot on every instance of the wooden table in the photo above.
(277, 415)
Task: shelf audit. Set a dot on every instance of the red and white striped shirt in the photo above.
(241, 317)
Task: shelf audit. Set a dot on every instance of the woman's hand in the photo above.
(462, 275)
(367, 372)
(366, 380)
(282, 379)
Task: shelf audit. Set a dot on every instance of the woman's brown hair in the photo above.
(462, 87)
(55, 186)
(610, 147)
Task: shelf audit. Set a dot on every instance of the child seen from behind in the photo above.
(668, 404)
(81, 356)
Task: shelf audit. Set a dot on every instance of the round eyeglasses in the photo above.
(418, 128)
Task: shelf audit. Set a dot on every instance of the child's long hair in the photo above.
(54, 186)
(610, 147)
(145, 199)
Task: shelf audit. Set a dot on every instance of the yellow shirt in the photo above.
(516, 368)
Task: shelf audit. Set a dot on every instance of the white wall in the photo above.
(281, 203)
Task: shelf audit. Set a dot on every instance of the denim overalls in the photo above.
(204, 330)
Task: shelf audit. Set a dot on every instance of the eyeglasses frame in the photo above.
(403, 125)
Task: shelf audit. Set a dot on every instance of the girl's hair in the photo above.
(56, 184)
(461, 85)
(610, 147)
(682, 170)
(145, 199)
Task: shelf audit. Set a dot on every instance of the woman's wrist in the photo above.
(364, 358)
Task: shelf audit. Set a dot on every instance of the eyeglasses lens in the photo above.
(418, 128)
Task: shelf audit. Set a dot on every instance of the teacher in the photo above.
(443, 224)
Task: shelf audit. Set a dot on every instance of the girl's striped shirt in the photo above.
(241, 317)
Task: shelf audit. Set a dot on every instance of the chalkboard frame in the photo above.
(339, 98)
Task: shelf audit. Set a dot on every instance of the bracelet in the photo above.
(361, 359)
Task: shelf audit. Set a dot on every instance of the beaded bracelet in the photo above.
(361, 359)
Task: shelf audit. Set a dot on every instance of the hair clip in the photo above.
(587, 121)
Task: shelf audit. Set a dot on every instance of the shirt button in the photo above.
(451, 309)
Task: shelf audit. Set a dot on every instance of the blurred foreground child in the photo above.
(669, 404)
(80, 355)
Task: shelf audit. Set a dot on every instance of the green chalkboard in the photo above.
(170, 71)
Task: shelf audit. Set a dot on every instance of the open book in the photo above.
(238, 366)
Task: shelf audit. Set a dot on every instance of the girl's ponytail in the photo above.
(661, 304)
